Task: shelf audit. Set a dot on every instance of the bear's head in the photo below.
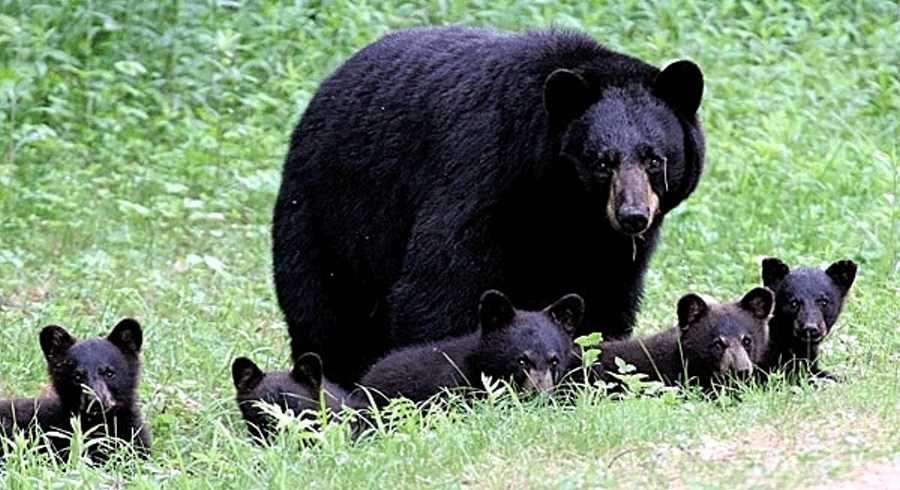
(94, 377)
(807, 300)
(637, 146)
(295, 391)
(721, 341)
(532, 348)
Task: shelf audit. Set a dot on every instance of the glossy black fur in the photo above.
(808, 302)
(440, 162)
(712, 342)
(95, 380)
(296, 391)
(529, 348)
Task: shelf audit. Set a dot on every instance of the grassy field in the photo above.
(140, 150)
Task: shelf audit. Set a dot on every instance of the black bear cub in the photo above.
(808, 301)
(95, 380)
(529, 348)
(296, 391)
(711, 343)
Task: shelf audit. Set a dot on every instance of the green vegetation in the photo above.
(140, 149)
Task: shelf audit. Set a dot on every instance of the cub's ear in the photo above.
(246, 374)
(308, 370)
(773, 272)
(843, 273)
(567, 312)
(566, 94)
(55, 342)
(127, 336)
(759, 302)
(680, 84)
(495, 310)
(691, 308)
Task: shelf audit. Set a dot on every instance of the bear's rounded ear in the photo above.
(55, 341)
(680, 84)
(495, 310)
(773, 272)
(567, 312)
(308, 370)
(691, 308)
(246, 374)
(127, 336)
(566, 94)
(843, 273)
(759, 302)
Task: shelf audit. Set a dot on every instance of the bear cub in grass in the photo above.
(711, 343)
(95, 380)
(808, 301)
(529, 348)
(296, 391)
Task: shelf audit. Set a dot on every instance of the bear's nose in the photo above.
(811, 332)
(633, 221)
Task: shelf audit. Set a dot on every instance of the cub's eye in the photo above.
(822, 302)
(747, 341)
(523, 361)
(109, 373)
(720, 344)
(794, 305)
(554, 361)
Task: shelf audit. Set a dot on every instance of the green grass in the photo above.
(140, 150)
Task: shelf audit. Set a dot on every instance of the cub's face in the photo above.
(724, 340)
(808, 301)
(97, 375)
(530, 347)
(627, 143)
(296, 391)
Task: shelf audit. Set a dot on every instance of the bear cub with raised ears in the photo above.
(529, 348)
(711, 343)
(808, 302)
(95, 380)
(296, 391)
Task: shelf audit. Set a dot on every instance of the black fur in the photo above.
(712, 342)
(439, 162)
(297, 391)
(808, 302)
(95, 380)
(529, 348)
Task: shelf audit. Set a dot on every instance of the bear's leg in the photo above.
(440, 284)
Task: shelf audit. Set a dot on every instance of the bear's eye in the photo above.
(524, 361)
(553, 361)
(747, 341)
(656, 163)
(79, 376)
(108, 372)
(822, 302)
(794, 305)
(720, 344)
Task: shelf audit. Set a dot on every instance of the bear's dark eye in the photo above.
(554, 361)
(822, 302)
(720, 344)
(656, 163)
(108, 372)
(78, 376)
(747, 341)
(794, 305)
(524, 361)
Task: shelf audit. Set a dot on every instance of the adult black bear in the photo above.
(95, 380)
(437, 163)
